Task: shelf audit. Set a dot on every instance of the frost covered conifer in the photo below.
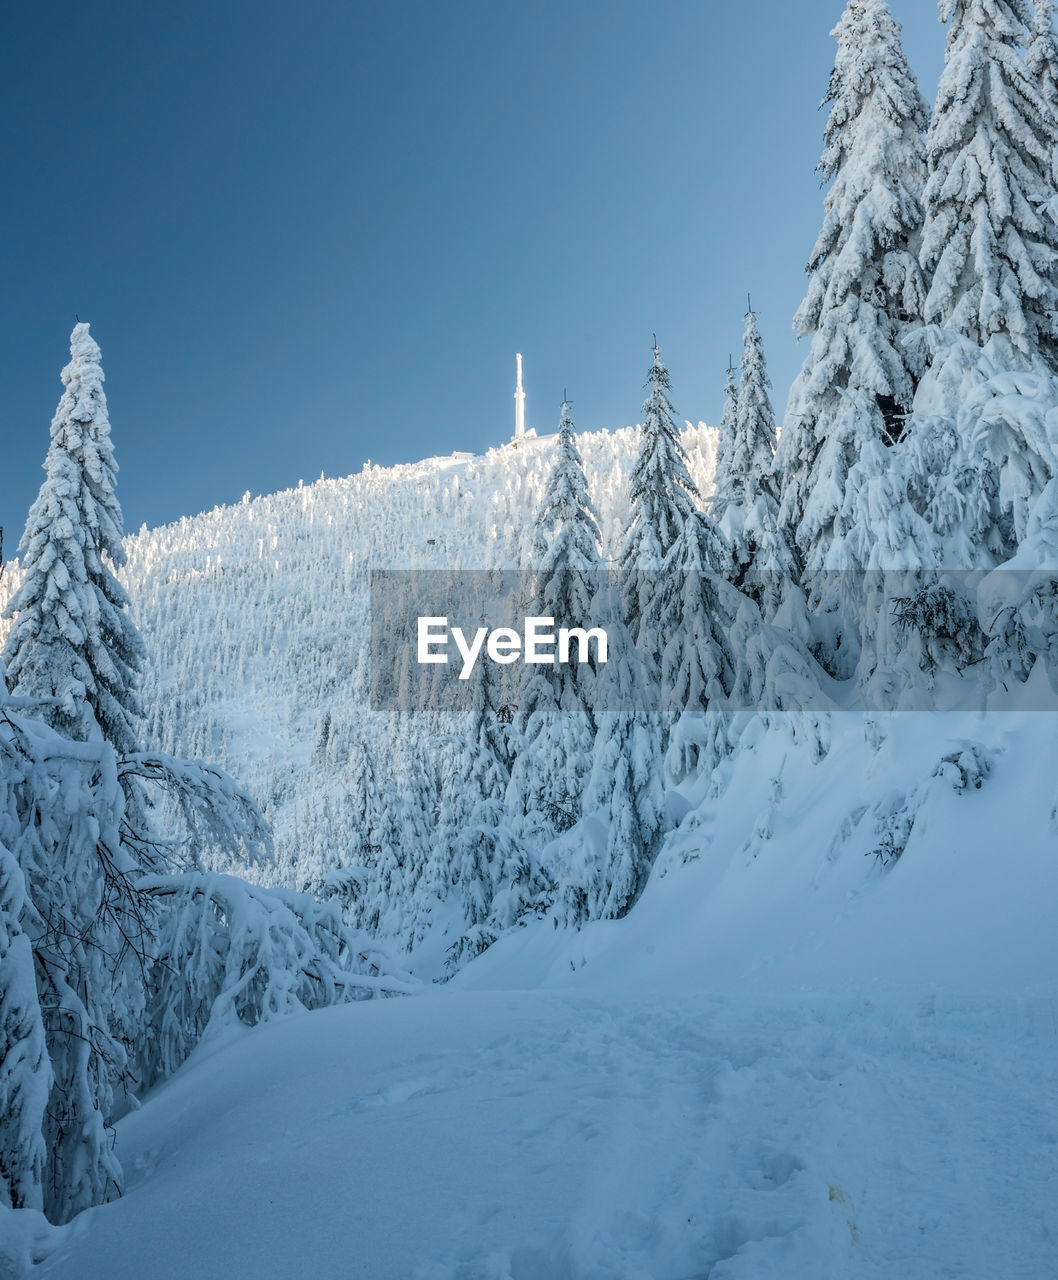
(566, 542)
(698, 663)
(73, 642)
(625, 788)
(866, 290)
(1020, 602)
(625, 796)
(481, 841)
(763, 559)
(661, 496)
(727, 480)
(473, 780)
(555, 723)
(231, 953)
(893, 551)
(566, 533)
(753, 447)
(600, 866)
(661, 492)
(977, 453)
(986, 245)
(488, 859)
(413, 871)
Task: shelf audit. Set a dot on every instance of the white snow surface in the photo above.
(555, 1135)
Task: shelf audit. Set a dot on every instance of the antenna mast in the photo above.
(519, 402)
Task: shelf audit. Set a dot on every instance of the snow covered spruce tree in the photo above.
(601, 873)
(746, 448)
(990, 248)
(72, 658)
(624, 792)
(988, 245)
(661, 496)
(73, 644)
(698, 662)
(754, 417)
(763, 561)
(866, 290)
(727, 477)
(555, 721)
(566, 541)
(661, 492)
(485, 851)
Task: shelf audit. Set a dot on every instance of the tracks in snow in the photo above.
(541, 1135)
(699, 1140)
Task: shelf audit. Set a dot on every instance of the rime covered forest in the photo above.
(753, 977)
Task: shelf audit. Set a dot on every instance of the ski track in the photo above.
(570, 1136)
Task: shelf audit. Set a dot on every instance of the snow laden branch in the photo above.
(214, 812)
(229, 953)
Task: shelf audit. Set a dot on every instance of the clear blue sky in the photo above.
(310, 234)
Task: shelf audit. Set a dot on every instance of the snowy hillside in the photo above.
(256, 619)
(935, 874)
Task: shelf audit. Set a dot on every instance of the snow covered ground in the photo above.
(786, 1064)
(557, 1135)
